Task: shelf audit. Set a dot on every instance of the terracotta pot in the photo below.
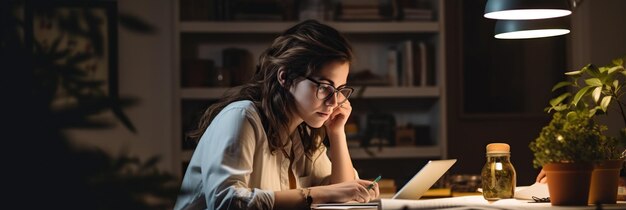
(568, 183)
(604, 182)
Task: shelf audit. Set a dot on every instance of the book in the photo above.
(406, 76)
(417, 14)
(424, 68)
(240, 63)
(195, 10)
(422, 64)
(392, 66)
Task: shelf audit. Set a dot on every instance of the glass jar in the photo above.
(498, 175)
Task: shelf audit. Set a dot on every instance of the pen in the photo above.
(375, 180)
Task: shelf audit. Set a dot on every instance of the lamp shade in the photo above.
(526, 29)
(526, 9)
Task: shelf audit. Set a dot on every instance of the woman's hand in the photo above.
(541, 177)
(355, 190)
(337, 120)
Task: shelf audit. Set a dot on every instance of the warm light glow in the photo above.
(527, 14)
(528, 34)
(499, 166)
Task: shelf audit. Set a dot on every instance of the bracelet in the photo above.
(306, 194)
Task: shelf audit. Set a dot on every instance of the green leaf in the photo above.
(572, 73)
(615, 68)
(561, 84)
(555, 101)
(55, 44)
(60, 54)
(117, 110)
(593, 82)
(618, 61)
(571, 116)
(151, 163)
(135, 24)
(580, 94)
(78, 58)
(560, 107)
(597, 109)
(603, 69)
(605, 103)
(596, 93)
(593, 70)
(548, 109)
(615, 84)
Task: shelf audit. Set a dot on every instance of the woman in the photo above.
(262, 147)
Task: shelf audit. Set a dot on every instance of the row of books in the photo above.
(229, 10)
(290, 10)
(237, 68)
(373, 10)
(412, 63)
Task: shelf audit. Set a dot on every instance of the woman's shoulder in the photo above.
(243, 104)
(235, 116)
(245, 107)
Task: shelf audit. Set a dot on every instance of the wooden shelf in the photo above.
(371, 40)
(204, 93)
(397, 92)
(395, 152)
(278, 27)
(370, 92)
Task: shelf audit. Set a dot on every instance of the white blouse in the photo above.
(233, 168)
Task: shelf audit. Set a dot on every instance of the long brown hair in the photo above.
(300, 51)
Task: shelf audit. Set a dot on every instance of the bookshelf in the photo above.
(419, 104)
(277, 27)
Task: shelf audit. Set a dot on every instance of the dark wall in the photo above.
(496, 89)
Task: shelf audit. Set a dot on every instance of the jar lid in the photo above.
(498, 148)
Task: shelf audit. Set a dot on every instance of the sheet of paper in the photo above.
(349, 205)
(526, 193)
(464, 201)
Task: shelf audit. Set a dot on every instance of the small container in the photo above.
(498, 175)
(621, 185)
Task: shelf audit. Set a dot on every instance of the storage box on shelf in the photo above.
(387, 54)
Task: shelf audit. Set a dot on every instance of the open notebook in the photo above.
(414, 189)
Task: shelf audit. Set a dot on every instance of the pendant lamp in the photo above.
(526, 29)
(526, 9)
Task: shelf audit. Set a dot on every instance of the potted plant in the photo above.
(566, 149)
(598, 87)
(600, 90)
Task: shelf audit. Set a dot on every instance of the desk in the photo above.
(462, 203)
(436, 193)
(478, 202)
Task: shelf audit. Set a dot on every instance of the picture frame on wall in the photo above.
(74, 49)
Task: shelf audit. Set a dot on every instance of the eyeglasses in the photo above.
(325, 91)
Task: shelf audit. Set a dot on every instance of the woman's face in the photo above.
(313, 111)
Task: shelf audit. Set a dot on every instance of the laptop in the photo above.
(424, 179)
(414, 189)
